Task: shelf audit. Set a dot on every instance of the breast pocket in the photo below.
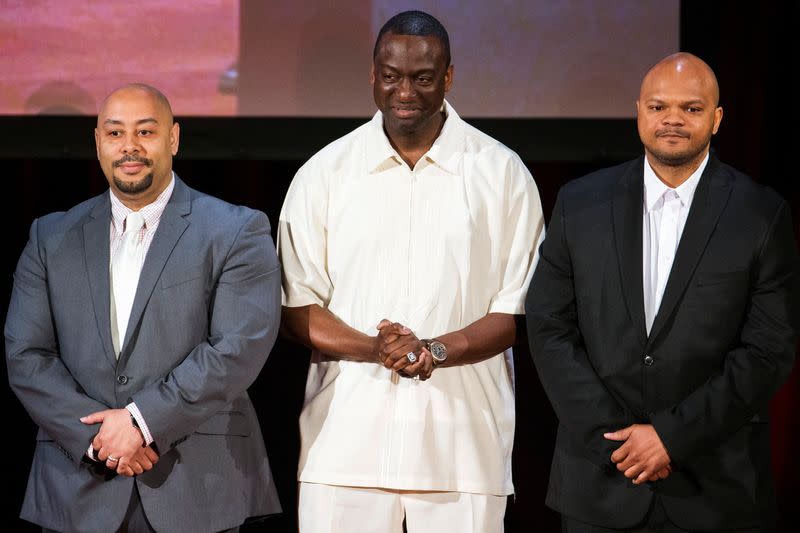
(717, 294)
(174, 278)
(706, 279)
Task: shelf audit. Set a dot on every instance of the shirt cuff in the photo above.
(90, 454)
(137, 415)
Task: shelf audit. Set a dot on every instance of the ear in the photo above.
(97, 143)
(448, 78)
(717, 119)
(372, 74)
(174, 138)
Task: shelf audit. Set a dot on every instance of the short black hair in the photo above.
(415, 23)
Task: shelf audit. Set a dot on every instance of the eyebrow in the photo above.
(413, 73)
(686, 102)
(138, 122)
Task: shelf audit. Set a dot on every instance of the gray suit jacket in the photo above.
(203, 321)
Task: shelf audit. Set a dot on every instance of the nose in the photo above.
(132, 144)
(673, 118)
(406, 88)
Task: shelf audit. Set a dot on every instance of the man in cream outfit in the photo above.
(407, 247)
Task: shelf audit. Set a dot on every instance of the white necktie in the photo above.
(125, 270)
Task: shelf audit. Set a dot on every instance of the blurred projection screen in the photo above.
(512, 58)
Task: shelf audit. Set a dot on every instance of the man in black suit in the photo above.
(662, 318)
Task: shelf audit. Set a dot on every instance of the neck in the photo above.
(675, 175)
(134, 203)
(412, 145)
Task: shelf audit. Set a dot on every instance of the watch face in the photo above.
(438, 351)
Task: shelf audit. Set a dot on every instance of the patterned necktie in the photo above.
(125, 269)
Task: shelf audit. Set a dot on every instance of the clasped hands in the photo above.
(394, 342)
(642, 457)
(119, 444)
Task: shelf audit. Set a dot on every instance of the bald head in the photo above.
(684, 67)
(138, 90)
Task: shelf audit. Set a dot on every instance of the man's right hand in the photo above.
(394, 342)
(142, 461)
(642, 457)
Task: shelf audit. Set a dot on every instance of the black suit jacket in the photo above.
(721, 344)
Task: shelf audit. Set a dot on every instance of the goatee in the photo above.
(136, 186)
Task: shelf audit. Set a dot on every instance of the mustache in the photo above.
(132, 159)
(672, 131)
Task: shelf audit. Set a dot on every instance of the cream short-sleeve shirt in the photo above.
(434, 248)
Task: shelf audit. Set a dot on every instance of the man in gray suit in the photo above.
(137, 321)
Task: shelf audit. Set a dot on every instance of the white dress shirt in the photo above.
(435, 248)
(664, 216)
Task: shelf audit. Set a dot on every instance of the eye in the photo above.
(424, 80)
(145, 133)
(694, 109)
(655, 107)
(114, 133)
(389, 78)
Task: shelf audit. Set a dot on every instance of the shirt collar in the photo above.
(654, 188)
(445, 152)
(151, 212)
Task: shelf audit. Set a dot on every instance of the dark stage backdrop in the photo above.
(750, 51)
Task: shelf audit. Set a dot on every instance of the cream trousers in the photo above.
(336, 509)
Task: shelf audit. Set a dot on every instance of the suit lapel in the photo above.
(96, 251)
(710, 199)
(170, 228)
(627, 213)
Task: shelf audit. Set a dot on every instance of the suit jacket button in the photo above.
(122, 380)
(648, 360)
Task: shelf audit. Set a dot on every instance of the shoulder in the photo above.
(219, 233)
(61, 222)
(218, 217)
(751, 208)
(495, 160)
(601, 181)
(482, 145)
(336, 154)
(313, 181)
(748, 195)
(598, 187)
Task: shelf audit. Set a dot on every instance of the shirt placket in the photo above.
(668, 241)
(402, 394)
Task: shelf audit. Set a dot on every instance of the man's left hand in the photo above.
(642, 457)
(117, 437)
(395, 341)
(141, 462)
(423, 368)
